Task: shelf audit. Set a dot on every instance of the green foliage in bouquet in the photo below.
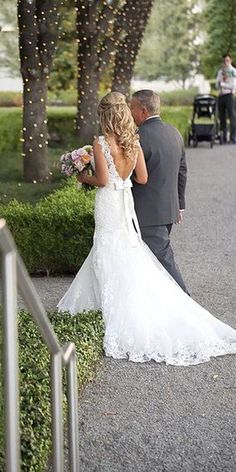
(55, 235)
(86, 331)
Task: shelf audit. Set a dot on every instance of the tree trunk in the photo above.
(38, 33)
(94, 32)
(35, 160)
(87, 121)
(122, 75)
(88, 85)
(137, 16)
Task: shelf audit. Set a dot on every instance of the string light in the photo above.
(101, 32)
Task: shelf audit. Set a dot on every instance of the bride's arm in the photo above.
(100, 178)
(140, 172)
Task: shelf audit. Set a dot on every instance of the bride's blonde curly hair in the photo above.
(116, 119)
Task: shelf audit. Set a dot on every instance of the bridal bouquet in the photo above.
(77, 161)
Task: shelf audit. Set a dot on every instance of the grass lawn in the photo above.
(12, 184)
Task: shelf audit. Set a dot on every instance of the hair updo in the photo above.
(116, 119)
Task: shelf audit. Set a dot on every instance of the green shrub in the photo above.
(11, 99)
(86, 331)
(214, 90)
(180, 97)
(69, 98)
(179, 117)
(10, 130)
(61, 126)
(55, 235)
(62, 98)
(61, 129)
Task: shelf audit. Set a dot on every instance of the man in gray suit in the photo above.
(160, 202)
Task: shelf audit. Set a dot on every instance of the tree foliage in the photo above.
(95, 37)
(171, 43)
(136, 18)
(9, 54)
(64, 69)
(220, 28)
(8, 16)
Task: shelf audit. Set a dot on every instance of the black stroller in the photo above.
(204, 124)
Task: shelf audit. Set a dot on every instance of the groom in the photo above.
(160, 202)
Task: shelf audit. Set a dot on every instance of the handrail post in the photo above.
(57, 413)
(11, 381)
(72, 398)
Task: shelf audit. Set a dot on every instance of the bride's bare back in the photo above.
(123, 166)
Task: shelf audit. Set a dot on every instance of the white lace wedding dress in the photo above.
(146, 314)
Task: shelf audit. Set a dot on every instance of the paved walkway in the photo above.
(154, 418)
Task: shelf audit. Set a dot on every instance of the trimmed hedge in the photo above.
(179, 117)
(56, 234)
(10, 130)
(177, 97)
(86, 331)
(11, 99)
(61, 126)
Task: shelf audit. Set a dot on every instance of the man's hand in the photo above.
(180, 218)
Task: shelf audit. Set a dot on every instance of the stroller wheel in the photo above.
(195, 143)
(212, 144)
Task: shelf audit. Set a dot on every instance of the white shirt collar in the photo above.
(152, 116)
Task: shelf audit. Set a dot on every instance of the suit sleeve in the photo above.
(143, 142)
(182, 179)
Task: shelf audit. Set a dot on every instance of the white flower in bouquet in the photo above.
(76, 161)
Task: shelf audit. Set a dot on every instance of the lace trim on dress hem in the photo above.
(181, 358)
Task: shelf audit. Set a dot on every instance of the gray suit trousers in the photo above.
(157, 239)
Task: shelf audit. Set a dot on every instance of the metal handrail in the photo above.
(15, 275)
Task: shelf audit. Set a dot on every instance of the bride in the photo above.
(147, 315)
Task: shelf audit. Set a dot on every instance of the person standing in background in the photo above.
(225, 83)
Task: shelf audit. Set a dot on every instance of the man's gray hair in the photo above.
(148, 99)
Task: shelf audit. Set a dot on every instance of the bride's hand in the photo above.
(82, 177)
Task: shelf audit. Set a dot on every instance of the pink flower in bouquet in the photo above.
(77, 158)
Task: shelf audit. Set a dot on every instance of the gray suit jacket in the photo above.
(158, 202)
